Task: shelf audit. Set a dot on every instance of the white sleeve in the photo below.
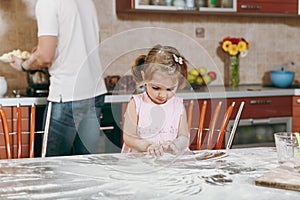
(47, 19)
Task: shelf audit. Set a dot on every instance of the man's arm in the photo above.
(41, 57)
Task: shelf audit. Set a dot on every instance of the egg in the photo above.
(18, 53)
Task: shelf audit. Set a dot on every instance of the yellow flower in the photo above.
(233, 50)
(234, 46)
(226, 44)
(242, 46)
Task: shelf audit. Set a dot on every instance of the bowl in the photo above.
(282, 78)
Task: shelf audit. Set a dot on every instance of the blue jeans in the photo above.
(74, 127)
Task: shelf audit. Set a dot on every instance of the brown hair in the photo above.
(163, 59)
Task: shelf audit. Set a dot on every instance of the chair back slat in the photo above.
(224, 126)
(235, 124)
(46, 131)
(32, 131)
(212, 126)
(190, 114)
(6, 133)
(201, 125)
(19, 132)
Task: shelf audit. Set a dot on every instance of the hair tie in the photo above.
(178, 59)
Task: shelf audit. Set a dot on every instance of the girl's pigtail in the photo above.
(182, 62)
(184, 71)
(138, 67)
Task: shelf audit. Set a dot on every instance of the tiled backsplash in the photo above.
(273, 40)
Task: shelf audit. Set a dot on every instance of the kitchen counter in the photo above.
(210, 92)
(24, 101)
(214, 92)
(202, 175)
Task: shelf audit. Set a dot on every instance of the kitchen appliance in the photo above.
(258, 132)
(38, 83)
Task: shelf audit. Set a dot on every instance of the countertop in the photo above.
(140, 176)
(202, 93)
(212, 92)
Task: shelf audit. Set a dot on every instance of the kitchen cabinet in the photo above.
(138, 6)
(287, 7)
(233, 8)
(296, 114)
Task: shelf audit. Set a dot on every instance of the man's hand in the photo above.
(16, 62)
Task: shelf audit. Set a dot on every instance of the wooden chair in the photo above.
(32, 132)
(213, 136)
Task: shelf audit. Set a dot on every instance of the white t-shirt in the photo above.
(76, 72)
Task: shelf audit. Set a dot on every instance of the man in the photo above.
(68, 41)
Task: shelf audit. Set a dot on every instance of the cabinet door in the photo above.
(265, 107)
(268, 6)
(124, 5)
(111, 127)
(296, 114)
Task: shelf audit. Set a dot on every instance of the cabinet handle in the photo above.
(298, 100)
(261, 121)
(250, 7)
(107, 128)
(260, 102)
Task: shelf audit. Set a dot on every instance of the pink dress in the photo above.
(157, 123)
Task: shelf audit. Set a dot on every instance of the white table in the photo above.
(137, 176)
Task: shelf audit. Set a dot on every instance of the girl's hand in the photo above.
(176, 146)
(170, 147)
(167, 147)
(155, 150)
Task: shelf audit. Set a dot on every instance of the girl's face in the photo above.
(161, 88)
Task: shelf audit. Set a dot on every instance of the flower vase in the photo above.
(234, 70)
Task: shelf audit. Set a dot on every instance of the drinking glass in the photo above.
(285, 143)
(297, 158)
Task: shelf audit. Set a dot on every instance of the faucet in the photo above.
(286, 64)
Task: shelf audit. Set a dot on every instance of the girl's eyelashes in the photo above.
(159, 88)
(155, 88)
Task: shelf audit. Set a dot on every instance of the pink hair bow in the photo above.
(178, 59)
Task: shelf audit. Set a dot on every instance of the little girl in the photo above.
(155, 120)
